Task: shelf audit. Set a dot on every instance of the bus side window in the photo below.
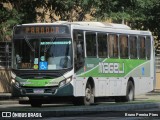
(133, 47)
(141, 49)
(123, 46)
(148, 47)
(91, 44)
(78, 41)
(102, 45)
(113, 46)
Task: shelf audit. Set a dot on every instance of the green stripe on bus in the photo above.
(113, 67)
(39, 82)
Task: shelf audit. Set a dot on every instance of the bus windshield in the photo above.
(42, 54)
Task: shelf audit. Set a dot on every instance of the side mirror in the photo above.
(18, 59)
(79, 49)
(7, 48)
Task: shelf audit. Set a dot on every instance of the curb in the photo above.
(6, 96)
(7, 102)
(152, 93)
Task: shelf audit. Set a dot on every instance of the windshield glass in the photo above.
(42, 54)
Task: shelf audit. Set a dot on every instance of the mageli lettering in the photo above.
(111, 68)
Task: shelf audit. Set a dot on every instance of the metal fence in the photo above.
(157, 63)
(5, 55)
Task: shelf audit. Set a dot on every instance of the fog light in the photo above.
(14, 82)
(17, 84)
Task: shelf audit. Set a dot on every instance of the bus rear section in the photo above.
(114, 62)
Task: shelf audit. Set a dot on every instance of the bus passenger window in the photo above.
(91, 44)
(102, 45)
(148, 47)
(113, 46)
(78, 41)
(142, 47)
(133, 46)
(123, 46)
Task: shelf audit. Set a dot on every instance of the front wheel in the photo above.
(89, 95)
(88, 99)
(35, 102)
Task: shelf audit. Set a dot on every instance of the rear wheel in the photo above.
(129, 94)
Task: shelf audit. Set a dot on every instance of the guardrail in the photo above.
(5, 55)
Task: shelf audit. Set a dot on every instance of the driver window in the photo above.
(78, 41)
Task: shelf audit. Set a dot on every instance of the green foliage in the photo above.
(9, 18)
(139, 14)
(71, 10)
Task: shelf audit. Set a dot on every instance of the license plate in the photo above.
(39, 91)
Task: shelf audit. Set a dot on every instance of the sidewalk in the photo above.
(150, 96)
(6, 98)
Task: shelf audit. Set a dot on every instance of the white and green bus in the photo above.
(80, 62)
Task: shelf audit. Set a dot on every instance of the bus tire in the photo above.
(129, 92)
(88, 99)
(119, 99)
(35, 103)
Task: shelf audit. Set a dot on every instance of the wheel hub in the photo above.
(88, 94)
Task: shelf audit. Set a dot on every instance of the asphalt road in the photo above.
(68, 110)
(116, 115)
(109, 110)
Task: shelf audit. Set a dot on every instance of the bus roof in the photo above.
(82, 23)
(102, 26)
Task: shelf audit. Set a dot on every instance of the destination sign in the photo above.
(41, 30)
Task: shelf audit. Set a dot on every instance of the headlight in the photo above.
(62, 83)
(14, 82)
(13, 75)
(68, 80)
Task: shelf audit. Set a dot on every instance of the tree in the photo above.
(8, 19)
(70, 10)
(139, 14)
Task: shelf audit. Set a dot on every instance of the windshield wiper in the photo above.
(47, 47)
(27, 41)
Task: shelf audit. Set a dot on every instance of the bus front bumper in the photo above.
(66, 90)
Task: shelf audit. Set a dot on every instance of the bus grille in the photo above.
(46, 90)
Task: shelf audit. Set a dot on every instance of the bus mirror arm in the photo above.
(18, 59)
(79, 48)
